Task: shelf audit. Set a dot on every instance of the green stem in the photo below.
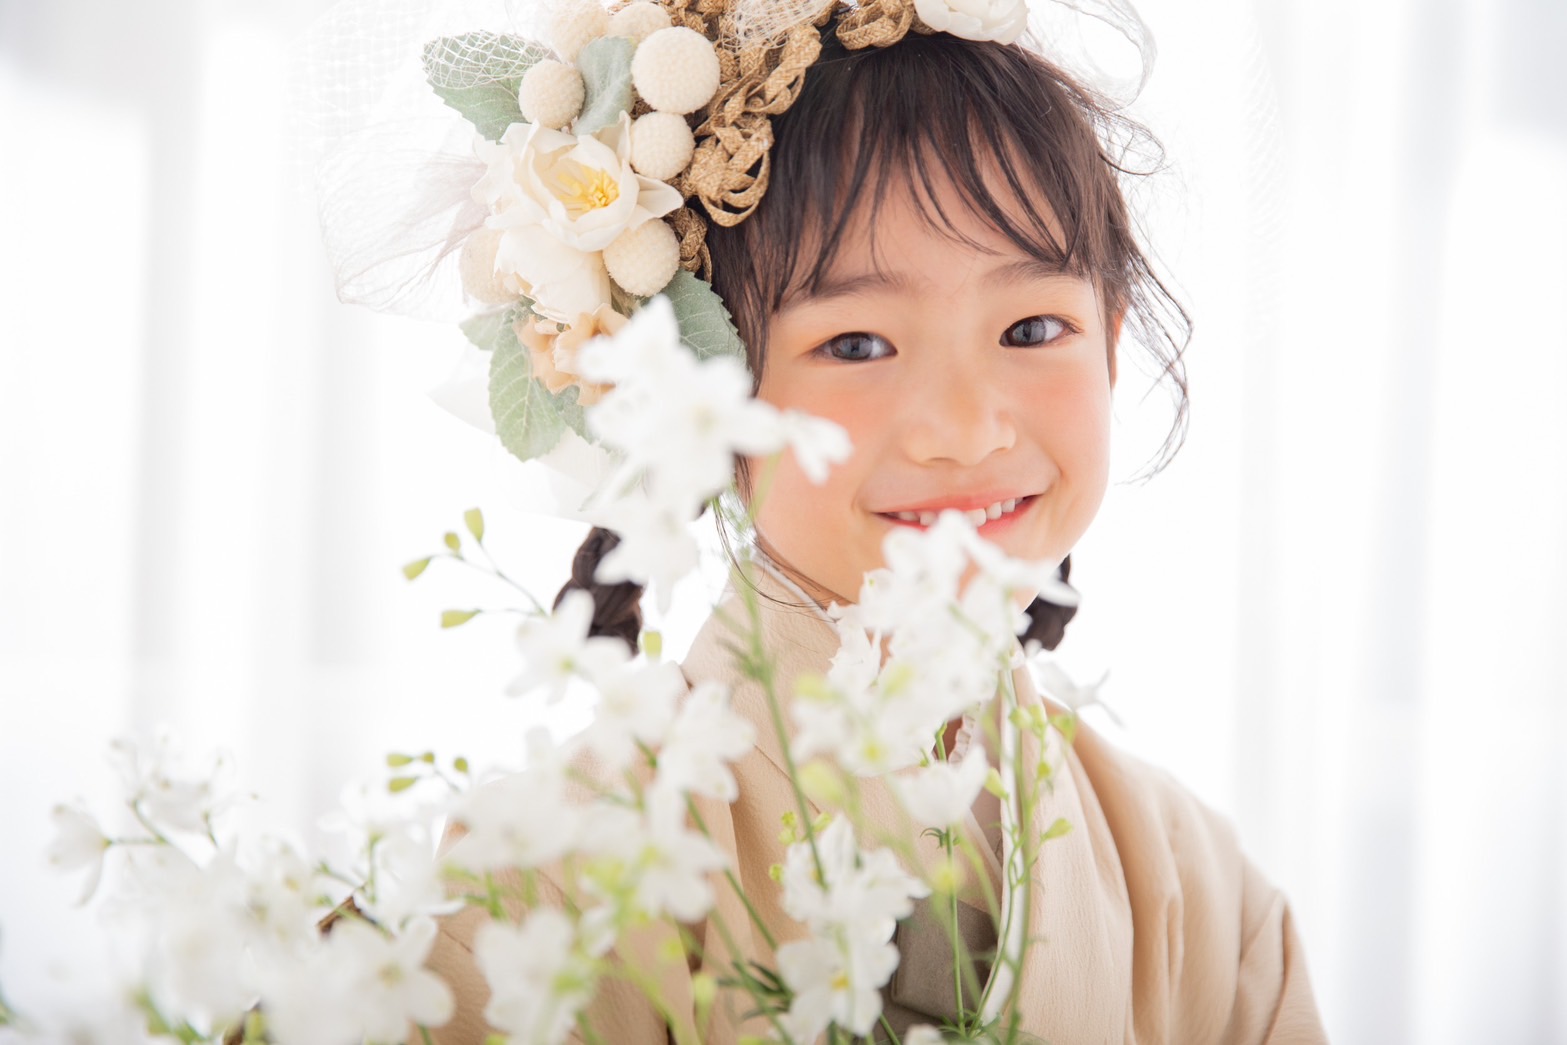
(650, 990)
(495, 572)
(589, 1035)
(141, 818)
(761, 666)
(734, 882)
(959, 946)
(495, 567)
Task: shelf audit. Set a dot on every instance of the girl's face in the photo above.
(967, 378)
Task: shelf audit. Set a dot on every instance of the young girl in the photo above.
(944, 265)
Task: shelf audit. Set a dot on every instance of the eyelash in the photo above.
(825, 349)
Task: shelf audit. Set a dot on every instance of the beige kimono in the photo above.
(1155, 927)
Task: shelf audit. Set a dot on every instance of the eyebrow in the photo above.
(844, 285)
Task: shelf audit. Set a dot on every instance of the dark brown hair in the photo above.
(1006, 128)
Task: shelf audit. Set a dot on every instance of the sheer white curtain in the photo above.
(1334, 615)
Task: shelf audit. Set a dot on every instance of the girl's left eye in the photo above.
(1035, 330)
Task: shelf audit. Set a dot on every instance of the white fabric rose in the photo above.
(558, 200)
(1000, 20)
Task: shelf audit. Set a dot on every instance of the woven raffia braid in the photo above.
(729, 170)
(876, 23)
(692, 233)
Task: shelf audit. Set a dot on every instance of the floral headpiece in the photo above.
(593, 147)
(604, 154)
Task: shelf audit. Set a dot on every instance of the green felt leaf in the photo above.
(478, 75)
(528, 419)
(491, 107)
(485, 329)
(459, 62)
(605, 65)
(705, 326)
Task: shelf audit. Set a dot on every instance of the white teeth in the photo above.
(977, 516)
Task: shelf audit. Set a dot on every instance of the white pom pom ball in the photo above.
(661, 145)
(675, 70)
(551, 94)
(643, 260)
(476, 265)
(575, 25)
(638, 21)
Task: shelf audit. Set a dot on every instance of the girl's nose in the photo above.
(963, 417)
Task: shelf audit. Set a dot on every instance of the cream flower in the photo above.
(554, 351)
(78, 842)
(559, 199)
(1000, 20)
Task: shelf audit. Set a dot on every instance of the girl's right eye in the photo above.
(855, 348)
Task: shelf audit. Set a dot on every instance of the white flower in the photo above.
(662, 866)
(677, 419)
(519, 819)
(706, 736)
(171, 791)
(1016, 574)
(866, 889)
(916, 651)
(851, 909)
(656, 546)
(817, 443)
(875, 713)
(78, 842)
(1053, 680)
(539, 977)
(408, 881)
(999, 20)
(392, 989)
(636, 704)
(559, 199)
(200, 929)
(940, 794)
(922, 1034)
(870, 730)
(309, 1000)
(834, 980)
(923, 571)
(557, 648)
(284, 896)
(676, 423)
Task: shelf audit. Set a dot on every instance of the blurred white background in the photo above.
(1336, 616)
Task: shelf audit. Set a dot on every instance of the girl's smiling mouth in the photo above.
(987, 517)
